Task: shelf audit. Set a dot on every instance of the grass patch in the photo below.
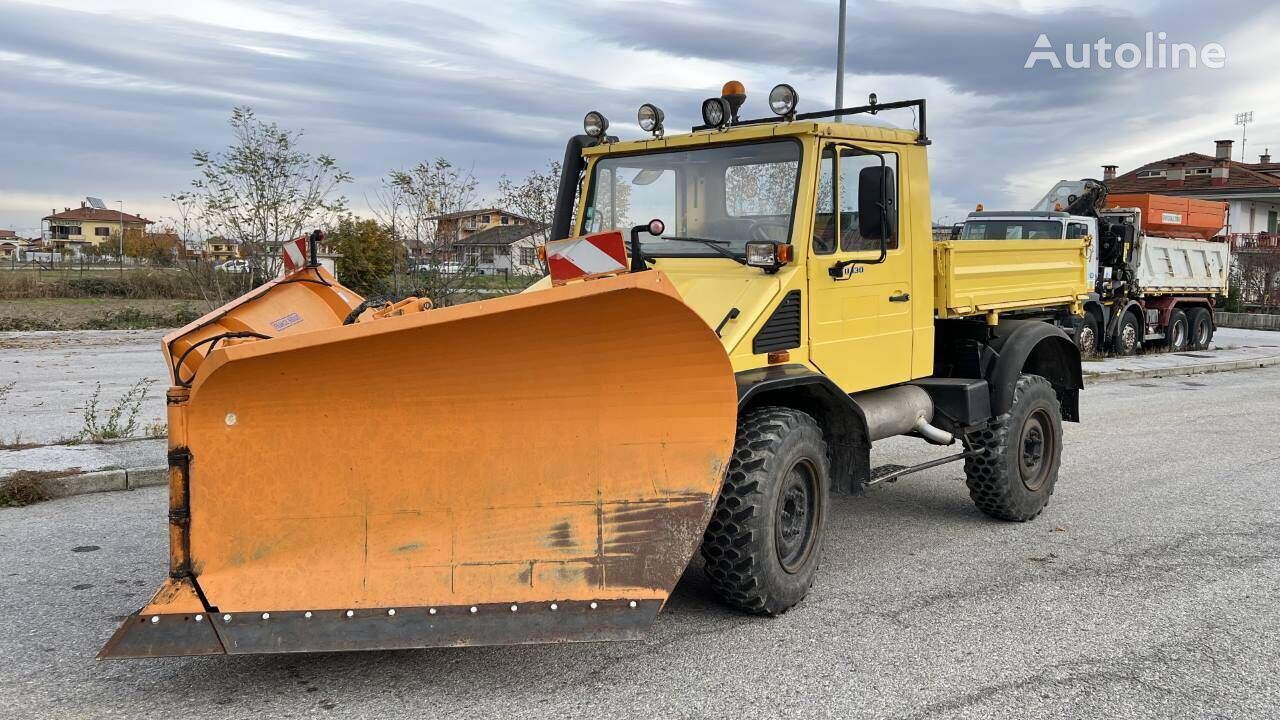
(96, 314)
(26, 487)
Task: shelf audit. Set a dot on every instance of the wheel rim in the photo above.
(1035, 449)
(1202, 333)
(1088, 341)
(1178, 335)
(797, 516)
(1129, 338)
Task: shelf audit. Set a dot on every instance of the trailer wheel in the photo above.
(1087, 336)
(1176, 334)
(764, 540)
(1128, 336)
(1201, 324)
(1015, 459)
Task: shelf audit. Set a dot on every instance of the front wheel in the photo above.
(1014, 461)
(1087, 336)
(764, 540)
(1128, 336)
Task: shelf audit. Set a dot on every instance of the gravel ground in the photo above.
(55, 374)
(1150, 588)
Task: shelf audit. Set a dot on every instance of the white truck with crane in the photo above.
(1154, 267)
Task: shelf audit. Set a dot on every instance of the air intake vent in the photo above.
(782, 330)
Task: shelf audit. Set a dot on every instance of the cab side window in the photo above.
(836, 221)
(1077, 231)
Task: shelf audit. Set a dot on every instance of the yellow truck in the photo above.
(734, 317)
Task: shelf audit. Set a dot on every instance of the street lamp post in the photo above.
(121, 204)
(840, 62)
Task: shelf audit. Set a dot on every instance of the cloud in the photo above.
(113, 103)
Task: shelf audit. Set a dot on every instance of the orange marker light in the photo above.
(979, 207)
(779, 356)
(784, 254)
(733, 87)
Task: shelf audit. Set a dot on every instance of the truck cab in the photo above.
(806, 246)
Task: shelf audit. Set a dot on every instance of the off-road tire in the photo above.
(1199, 328)
(1178, 332)
(1001, 482)
(759, 559)
(1126, 344)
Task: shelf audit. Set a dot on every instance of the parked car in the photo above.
(234, 266)
(444, 268)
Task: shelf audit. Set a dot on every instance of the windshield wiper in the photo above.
(712, 244)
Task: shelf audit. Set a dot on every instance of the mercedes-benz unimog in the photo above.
(733, 317)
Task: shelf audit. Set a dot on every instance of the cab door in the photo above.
(860, 319)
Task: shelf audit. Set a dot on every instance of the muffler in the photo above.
(901, 410)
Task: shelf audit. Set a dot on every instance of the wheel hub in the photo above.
(796, 517)
(1035, 449)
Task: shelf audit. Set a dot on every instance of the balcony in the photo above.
(1255, 242)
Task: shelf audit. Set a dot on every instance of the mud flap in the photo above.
(535, 468)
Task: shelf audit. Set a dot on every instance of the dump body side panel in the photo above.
(1167, 265)
(973, 277)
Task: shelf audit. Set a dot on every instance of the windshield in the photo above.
(729, 195)
(1012, 230)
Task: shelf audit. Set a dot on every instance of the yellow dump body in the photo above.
(975, 277)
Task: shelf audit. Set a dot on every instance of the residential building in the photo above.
(1252, 190)
(75, 229)
(456, 226)
(219, 249)
(499, 249)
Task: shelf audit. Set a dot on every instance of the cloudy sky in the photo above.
(109, 97)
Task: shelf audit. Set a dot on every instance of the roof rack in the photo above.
(872, 109)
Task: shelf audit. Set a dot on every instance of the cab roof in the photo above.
(761, 131)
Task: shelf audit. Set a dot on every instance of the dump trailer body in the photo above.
(1172, 266)
(382, 484)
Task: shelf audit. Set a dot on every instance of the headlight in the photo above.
(783, 99)
(768, 255)
(650, 118)
(595, 124)
(715, 112)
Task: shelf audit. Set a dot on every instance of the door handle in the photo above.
(900, 297)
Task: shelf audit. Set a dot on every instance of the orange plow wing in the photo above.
(534, 468)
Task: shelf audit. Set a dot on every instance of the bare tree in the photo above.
(420, 199)
(262, 190)
(535, 198)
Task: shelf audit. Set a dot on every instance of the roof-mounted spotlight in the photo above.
(873, 100)
(595, 124)
(716, 112)
(650, 118)
(783, 100)
(735, 93)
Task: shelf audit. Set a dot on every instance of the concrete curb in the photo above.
(1200, 369)
(105, 481)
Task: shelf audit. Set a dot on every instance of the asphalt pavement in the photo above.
(1149, 588)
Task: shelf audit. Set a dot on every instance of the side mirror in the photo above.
(877, 204)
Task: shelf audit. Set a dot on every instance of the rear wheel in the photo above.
(1015, 459)
(1200, 323)
(1128, 336)
(764, 540)
(1177, 333)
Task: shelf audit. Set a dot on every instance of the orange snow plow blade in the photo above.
(533, 468)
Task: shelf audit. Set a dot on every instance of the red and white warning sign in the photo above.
(295, 254)
(587, 256)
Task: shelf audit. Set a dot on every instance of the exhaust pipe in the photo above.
(901, 410)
